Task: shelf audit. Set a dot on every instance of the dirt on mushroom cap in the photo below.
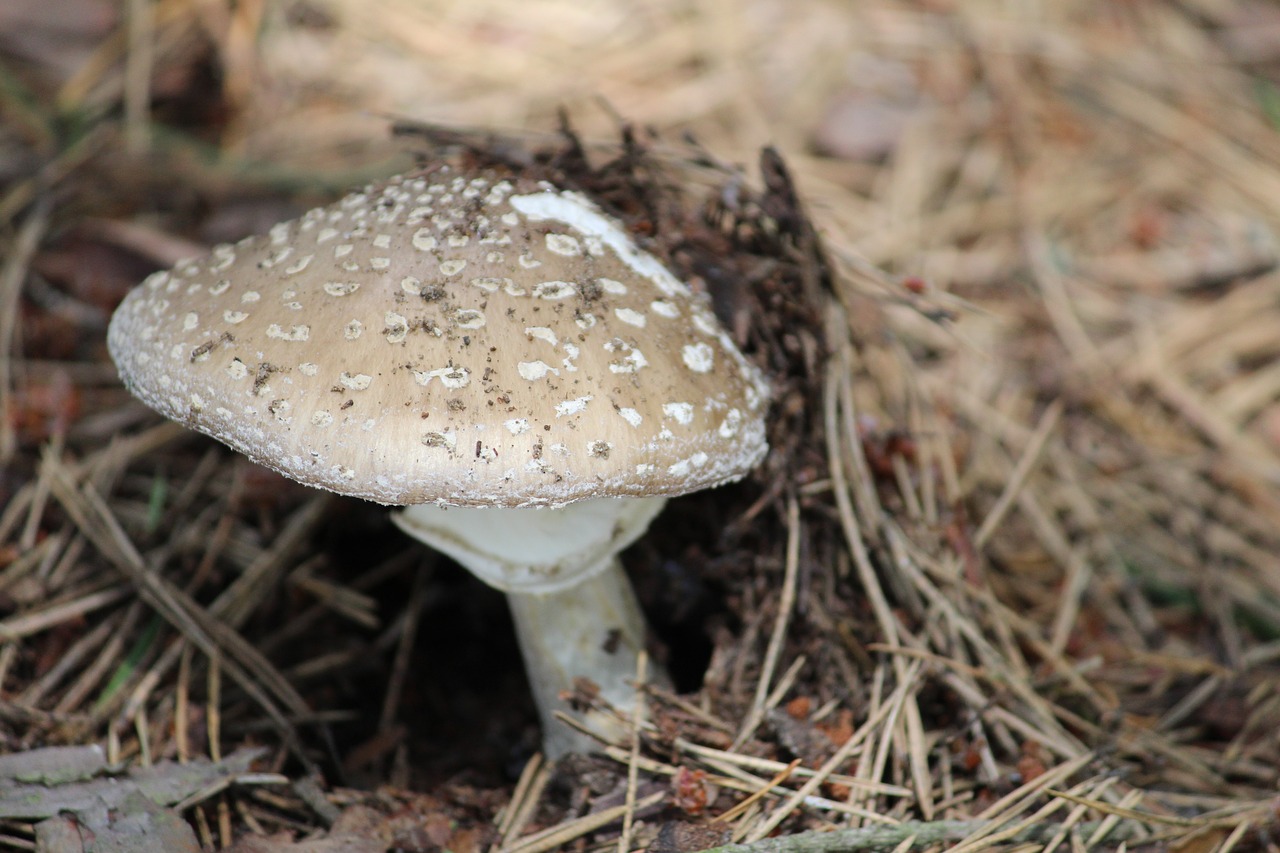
(463, 338)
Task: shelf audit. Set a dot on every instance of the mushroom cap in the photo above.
(462, 338)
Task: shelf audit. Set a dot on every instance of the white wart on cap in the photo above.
(464, 339)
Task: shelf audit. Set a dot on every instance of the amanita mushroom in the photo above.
(492, 353)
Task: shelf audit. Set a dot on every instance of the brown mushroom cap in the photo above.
(464, 339)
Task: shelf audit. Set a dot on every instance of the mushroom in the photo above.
(492, 353)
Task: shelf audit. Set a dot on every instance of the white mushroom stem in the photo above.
(593, 630)
(574, 610)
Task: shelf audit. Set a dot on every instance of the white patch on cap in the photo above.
(299, 265)
(321, 418)
(397, 327)
(584, 217)
(632, 360)
(699, 357)
(423, 240)
(532, 370)
(516, 426)
(411, 285)
(681, 412)
(664, 308)
(571, 353)
(190, 320)
(341, 288)
(236, 369)
(295, 333)
(223, 257)
(554, 290)
(356, 382)
(612, 285)
(542, 333)
(277, 257)
(352, 330)
(448, 439)
(308, 368)
(563, 244)
(572, 407)
(469, 318)
(731, 424)
(450, 377)
(452, 267)
(631, 416)
(631, 317)
(706, 324)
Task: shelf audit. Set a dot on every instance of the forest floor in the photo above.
(1008, 579)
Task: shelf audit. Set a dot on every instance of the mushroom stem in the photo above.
(574, 610)
(593, 630)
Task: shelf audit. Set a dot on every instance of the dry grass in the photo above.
(1012, 579)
